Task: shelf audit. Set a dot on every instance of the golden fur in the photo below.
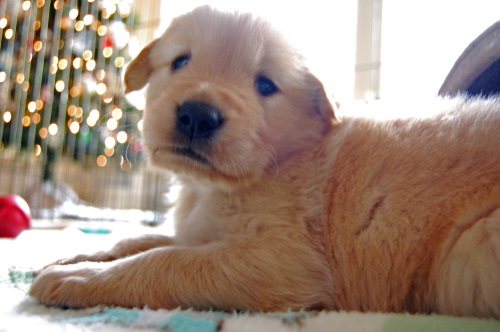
(294, 207)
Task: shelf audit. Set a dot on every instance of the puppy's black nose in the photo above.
(197, 119)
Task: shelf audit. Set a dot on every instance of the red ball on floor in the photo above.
(15, 215)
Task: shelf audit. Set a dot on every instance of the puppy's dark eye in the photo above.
(265, 87)
(180, 62)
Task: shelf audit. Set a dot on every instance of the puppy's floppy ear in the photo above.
(323, 105)
(138, 71)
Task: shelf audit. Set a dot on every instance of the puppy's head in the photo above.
(228, 100)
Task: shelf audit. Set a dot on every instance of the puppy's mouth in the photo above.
(190, 153)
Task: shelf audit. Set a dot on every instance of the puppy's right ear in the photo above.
(138, 71)
(324, 106)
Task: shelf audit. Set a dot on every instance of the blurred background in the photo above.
(70, 139)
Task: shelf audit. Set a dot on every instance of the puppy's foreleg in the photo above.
(133, 246)
(264, 273)
(121, 249)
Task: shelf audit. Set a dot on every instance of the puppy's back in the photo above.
(405, 196)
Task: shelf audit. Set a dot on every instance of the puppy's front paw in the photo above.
(67, 286)
(102, 256)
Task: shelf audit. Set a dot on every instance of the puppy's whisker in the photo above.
(228, 168)
(245, 170)
(274, 158)
(237, 173)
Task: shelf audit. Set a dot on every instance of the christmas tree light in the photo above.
(121, 137)
(7, 116)
(32, 106)
(9, 33)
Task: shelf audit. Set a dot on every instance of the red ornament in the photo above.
(15, 215)
(106, 42)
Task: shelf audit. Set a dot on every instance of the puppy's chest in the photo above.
(212, 218)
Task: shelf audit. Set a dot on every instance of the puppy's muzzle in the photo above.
(198, 120)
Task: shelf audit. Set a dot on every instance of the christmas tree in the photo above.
(61, 93)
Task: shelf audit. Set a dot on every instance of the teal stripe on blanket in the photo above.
(114, 315)
(189, 323)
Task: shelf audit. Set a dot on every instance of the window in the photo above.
(421, 40)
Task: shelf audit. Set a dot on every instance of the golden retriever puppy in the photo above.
(286, 205)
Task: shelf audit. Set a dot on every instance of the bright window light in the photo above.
(421, 40)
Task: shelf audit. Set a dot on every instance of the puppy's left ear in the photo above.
(323, 105)
(138, 71)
